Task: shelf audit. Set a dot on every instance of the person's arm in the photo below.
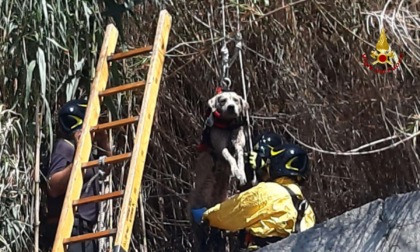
(60, 168)
(58, 182)
(239, 211)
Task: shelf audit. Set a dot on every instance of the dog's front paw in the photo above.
(241, 176)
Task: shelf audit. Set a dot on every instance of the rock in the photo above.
(392, 224)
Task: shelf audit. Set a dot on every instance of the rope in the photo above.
(101, 172)
(239, 46)
(248, 121)
(225, 81)
(226, 63)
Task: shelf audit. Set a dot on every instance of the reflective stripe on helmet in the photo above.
(289, 164)
(275, 153)
(79, 121)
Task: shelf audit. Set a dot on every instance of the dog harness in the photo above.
(214, 119)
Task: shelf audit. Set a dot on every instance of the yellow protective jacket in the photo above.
(265, 210)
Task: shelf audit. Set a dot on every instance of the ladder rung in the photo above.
(114, 124)
(122, 88)
(90, 236)
(108, 160)
(130, 53)
(98, 198)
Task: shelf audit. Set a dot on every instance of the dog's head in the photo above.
(230, 105)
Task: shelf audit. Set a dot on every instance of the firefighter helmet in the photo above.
(71, 115)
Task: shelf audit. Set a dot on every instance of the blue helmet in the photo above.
(71, 115)
(266, 142)
(289, 160)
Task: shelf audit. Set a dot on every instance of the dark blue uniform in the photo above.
(87, 214)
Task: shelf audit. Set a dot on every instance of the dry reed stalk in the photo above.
(38, 120)
(143, 224)
(110, 187)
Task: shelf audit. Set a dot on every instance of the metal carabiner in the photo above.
(226, 82)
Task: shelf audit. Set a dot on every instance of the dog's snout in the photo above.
(231, 108)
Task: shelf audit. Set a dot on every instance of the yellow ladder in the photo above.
(137, 157)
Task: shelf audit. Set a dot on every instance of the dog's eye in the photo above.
(222, 100)
(236, 100)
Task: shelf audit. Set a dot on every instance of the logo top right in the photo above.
(385, 60)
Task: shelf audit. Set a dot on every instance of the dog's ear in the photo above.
(212, 103)
(244, 105)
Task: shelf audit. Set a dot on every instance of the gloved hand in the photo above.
(197, 214)
(255, 160)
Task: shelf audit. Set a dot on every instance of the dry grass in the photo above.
(307, 80)
(303, 62)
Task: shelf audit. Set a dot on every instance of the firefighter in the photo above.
(70, 118)
(273, 209)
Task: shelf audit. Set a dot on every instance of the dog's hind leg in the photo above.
(222, 176)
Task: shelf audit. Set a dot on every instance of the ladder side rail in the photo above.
(84, 145)
(141, 141)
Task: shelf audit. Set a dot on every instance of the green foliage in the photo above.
(47, 53)
(14, 212)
